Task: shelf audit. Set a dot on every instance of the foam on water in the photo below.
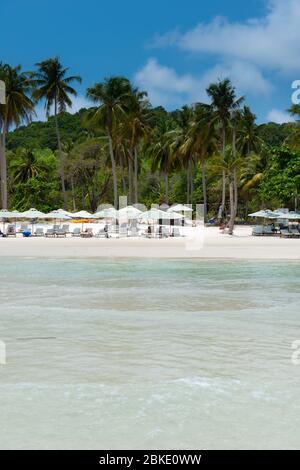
(149, 354)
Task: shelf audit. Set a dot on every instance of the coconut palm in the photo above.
(18, 108)
(201, 141)
(113, 100)
(163, 153)
(223, 100)
(138, 127)
(229, 164)
(248, 139)
(53, 85)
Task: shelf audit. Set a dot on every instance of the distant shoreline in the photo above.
(213, 245)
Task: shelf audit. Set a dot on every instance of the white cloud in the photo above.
(168, 88)
(268, 42)
(278, 116)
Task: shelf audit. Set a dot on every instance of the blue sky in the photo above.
(171, 48)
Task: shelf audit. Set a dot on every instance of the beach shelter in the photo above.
(129, 212)
(265, 214)
(33, 215)
(57, 215)
(108, 213)
(5, 214)
(157, 214)
(82, 215)
(288, 215)
(180, 208)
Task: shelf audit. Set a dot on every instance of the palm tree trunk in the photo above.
(188, 180)
(113, 169)
(73, 194)
(203, 167)
(223, 174)
(232, 208)
(191, 181)
(3, 169)
(167, 187)
(135, 175)
(61, 158)
(130, 179)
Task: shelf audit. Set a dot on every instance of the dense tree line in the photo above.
(213, 153)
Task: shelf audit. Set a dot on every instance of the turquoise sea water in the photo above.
(149, 354)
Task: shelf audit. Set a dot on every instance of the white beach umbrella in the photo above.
(288, 215)
(157, 214)
(180, 208)
(108, 213)
(82, 215)
(62, 211)
(129, 212)
(32, 214)
(265, 214)
(57, 215)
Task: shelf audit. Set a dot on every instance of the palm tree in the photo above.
(223, 100)
(182, 148)
(53, 86)
(162, 151)
(113, 98)
(248, 139)
(18, 108)
(138, 127)
(229, 164)
(26, 165)
(201, 141)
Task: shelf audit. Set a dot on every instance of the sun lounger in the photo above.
(76, 232)
(295, 233)
(88, 233)
(103, 233)
(66, 228)
(50, 233)
(285, 233)
(39, 232)
(60, 233)
(176, 232)
(11, 231)
(268, 230)
(24, 227)
(258, 231)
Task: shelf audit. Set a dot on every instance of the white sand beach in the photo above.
(201, 242)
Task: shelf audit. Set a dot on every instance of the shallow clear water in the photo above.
(149, 354)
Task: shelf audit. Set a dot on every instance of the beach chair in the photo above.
(258, 231)
(123, 230)
(55, 228)
(294, 232)
(11, 231)
(103, 233)
(285, 233)
(39, 232)
(88, 233)
(76, 232)
(50, 233)
(268, 230)
(176, 232)
(134, 232)
(24, 227)
(165, 232)
(66, 228)
(60, 232)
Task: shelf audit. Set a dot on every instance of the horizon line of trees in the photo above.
(213, 153)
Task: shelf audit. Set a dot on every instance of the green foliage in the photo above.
(281, 181)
